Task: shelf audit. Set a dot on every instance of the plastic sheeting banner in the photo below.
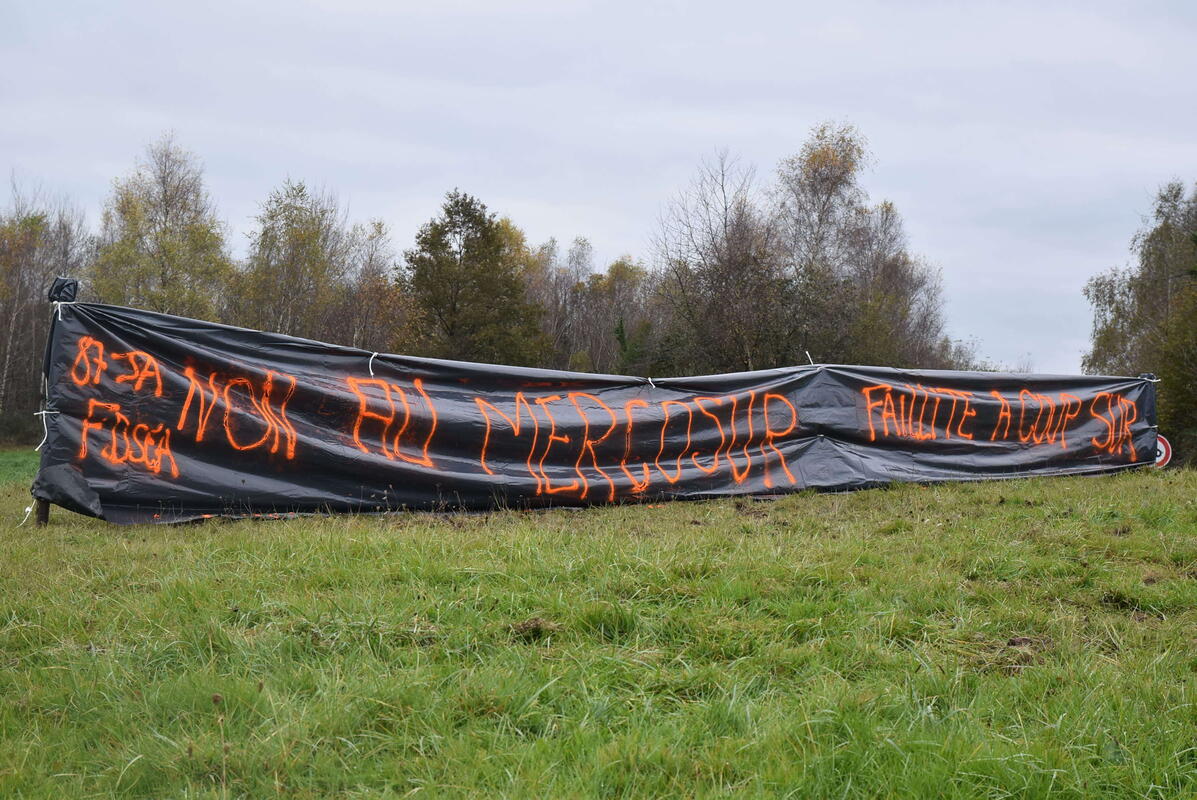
(160, 418)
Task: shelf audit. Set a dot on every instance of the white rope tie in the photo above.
(58, 304)
(650, 382)
(45, 428)
(371, 364)
(28, 511)
(808, 358)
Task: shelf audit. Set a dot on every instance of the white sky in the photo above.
(1022, 142)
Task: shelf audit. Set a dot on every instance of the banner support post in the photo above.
(41, 510)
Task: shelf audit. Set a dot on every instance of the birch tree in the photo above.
(162, 244)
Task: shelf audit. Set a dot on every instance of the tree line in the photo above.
(743, 274)
(1145, 315)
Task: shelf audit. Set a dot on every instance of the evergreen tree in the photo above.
(466, 278)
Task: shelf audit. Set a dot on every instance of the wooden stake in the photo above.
(42, 510)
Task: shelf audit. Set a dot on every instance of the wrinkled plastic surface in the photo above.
(161, 418)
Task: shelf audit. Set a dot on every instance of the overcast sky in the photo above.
(1022, 143)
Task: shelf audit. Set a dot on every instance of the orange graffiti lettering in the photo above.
(664, 428)
(423, 459)
(89, 424)
(1004, 415)
(638, 484)
(1070, 410)
(771, 435)
(521, 405)
(698, 401)
(391, 445)
(364, 412)
(148, 447)
(261, 401)
(544, 402)
(143, 366)
(1118, 415)
(279, 418)
(93, 365)
(739, 475)
(231, 413)
(206, 403)
(588, 443)
(871, 404)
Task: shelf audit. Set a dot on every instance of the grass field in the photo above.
(1020, 639)
(17, 466)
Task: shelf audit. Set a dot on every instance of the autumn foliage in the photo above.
(740, 276)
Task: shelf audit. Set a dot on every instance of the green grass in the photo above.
(1021, 639)
(16, 467)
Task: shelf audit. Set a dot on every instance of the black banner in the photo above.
(159, 418)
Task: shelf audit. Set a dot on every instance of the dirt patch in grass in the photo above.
(1012, 657)
(534, 629)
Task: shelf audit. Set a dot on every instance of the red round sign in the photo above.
(1163, 451)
